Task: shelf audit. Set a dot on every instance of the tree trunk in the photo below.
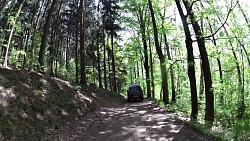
(113, 61)
(161, 56)
(209, 110)
(201, 94)
(244, 49)
(137, 69)
(151, 69)
(247, 21)
(76, 52)
(219, 65)
(171, 68)
(58, 51)
(241, 108)
(41, 58)
(33, 39)
(52, 53)
(26, 49)
(104, 62)
(244, 14)
(82, 48)
(142, 72)
(145, 47)
(68, 52)
(190, 62)
(33, 20)
(98, 60)
(109, 69)
(5, 63)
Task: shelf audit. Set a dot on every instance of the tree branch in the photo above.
(223, 24)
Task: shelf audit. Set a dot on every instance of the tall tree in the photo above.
(98, 57)
(171, 68)
(209, 112)
(20, 3)
(46, 28)
(151, 67)
(162, 58)
(82, 45)
(141, 18)
(33, 38)
(190, 61)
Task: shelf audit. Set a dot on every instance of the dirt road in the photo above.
(137, 121)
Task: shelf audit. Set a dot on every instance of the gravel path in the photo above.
(135, 121)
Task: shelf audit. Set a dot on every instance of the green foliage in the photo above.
(15, 57)
(158, 102)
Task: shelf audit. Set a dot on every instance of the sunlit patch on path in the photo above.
(140, 121)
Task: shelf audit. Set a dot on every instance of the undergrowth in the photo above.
(237, 131)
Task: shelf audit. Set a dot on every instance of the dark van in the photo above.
(135, 92)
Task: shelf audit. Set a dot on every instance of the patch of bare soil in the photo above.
(32, 104)
(136, 121)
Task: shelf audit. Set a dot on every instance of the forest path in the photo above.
(135, 121)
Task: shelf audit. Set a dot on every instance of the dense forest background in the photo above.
(192, 55)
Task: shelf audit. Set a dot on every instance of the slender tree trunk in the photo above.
(244, 14)
(221, 80)
(76, 52)
(57, 52)
(113, 61)
(46, 28)
(161, 56)
(142, 73)
(219, 65)
(26, 49)
(93, 72)
(244, 49)
(33, 20)
(201, 94)
(145, 47)
(191, 63)
(33, 39)
(247, 21)
(178, 87)
(209, 112)
(242, 97)
(104, 62)
(241, 109)
(98, 61)
(109, 69)
(131, 76)
(137, 71)
(135, 76)
(52, 53)
(82, 46)
(68, 52)
(151, 69)
(171, 69)
(5, 63)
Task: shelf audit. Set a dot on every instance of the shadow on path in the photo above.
(140, 121)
